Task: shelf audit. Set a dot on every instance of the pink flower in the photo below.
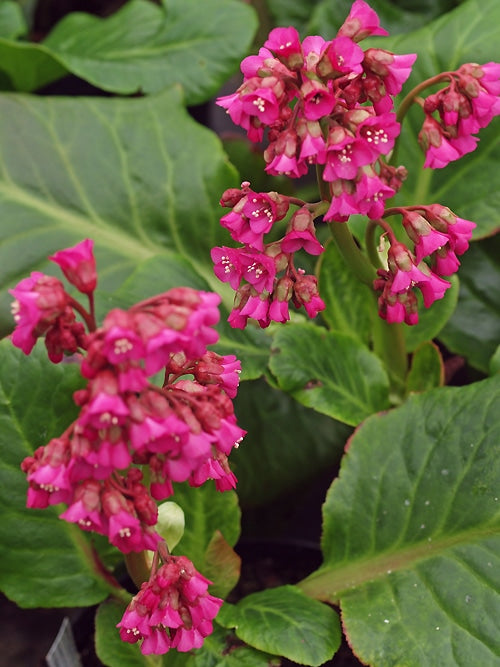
(78, 265)
(311, 141)
(445, 262)
(344, 155)
(458, 230)
(305, 293)
(406, 274)
(371, 193)
(318, 100)
(227, 266)
(285, 43)
(172, 610)
(361, 22)
(341, 56)
(306, 239)
(39, 301)
(344, 201)
(427, 239)
(393, 69)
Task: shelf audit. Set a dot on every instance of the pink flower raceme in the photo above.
(397, 302)
(466, 105)
(42, 307)
(182, 431)
(291, 86)
(265, 278)
(39, 301)
(172, 610)
(438, 234)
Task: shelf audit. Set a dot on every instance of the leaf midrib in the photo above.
(111, 236)
(330, 581)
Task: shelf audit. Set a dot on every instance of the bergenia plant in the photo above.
(341, 294)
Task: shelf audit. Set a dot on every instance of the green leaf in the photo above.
(157, 195)
(209, 515)
(495, 362)
(470, 186)
(147, 48)
(221, 650)
(286, 445)
(285, 622)
(222, 565)
(411, 533)
(28, 66)
(292, 12)
(46, 562)
(153, 225)
(427, 369)
(431, 321)
(330, 372)
(350, 304)
(12, 23)
(474, 328)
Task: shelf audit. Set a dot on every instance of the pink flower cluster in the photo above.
(263, 274)
(438, 235)
(327, 103)
(183, 430)
(42, 307)
(466, 105)
(172, 610)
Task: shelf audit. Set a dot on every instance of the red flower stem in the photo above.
(410, 97)
(87, 317)
(92, 311)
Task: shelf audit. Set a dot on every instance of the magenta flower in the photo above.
(343, 56)
(393, 69)
(306, 239)
(318, 100)
(426, 238)
(285, 43)
(78, 265)
(172, 610)
(39, 301)
(361, 22)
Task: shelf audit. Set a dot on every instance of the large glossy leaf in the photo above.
(286, 445)
(474, 329)
(284, 622)
(330, 372)
(141, 48)
(12, 23)
(350, 304)
(470, 186)
(46, 562)
(411, 537)
(139, 176)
